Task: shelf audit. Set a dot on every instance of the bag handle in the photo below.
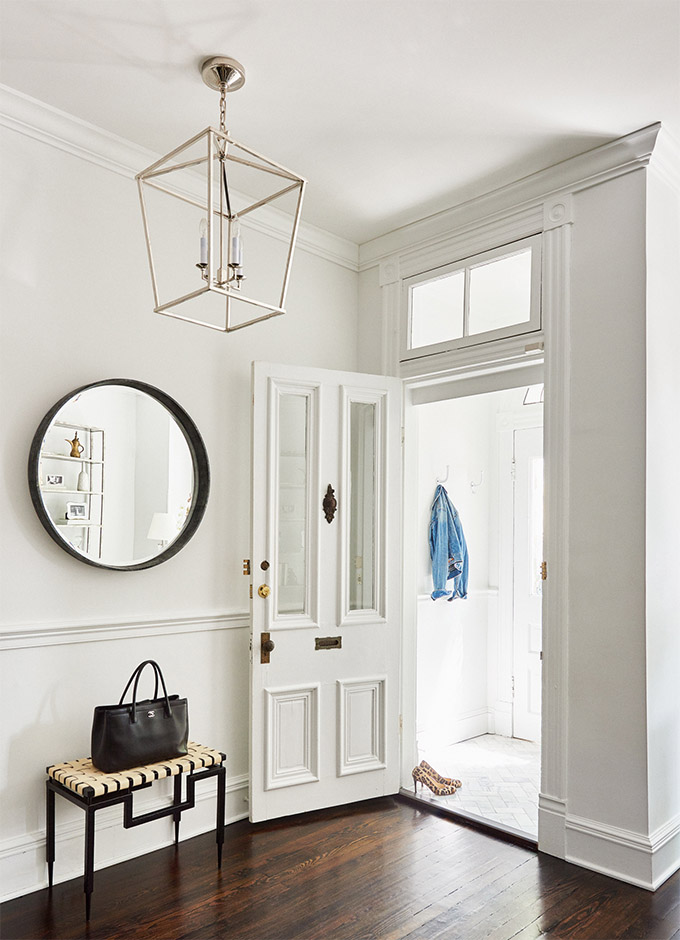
(159, 675)
(137, 670)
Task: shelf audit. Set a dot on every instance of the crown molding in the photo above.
(70, 134)
(603, 163)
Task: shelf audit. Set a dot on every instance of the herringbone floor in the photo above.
(500, 777)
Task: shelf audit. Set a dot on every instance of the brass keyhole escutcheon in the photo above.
(264, 590)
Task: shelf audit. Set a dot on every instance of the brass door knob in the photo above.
(268, 646)
(264, 590)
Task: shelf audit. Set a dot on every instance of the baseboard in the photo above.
(22, 859)
(464, 726)
(552, 813)
(638, 859)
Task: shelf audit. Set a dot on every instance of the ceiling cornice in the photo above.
(56, 128)
(620, 156)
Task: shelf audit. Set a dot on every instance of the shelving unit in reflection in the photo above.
(63, 486)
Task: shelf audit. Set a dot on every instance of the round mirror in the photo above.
(118, 474)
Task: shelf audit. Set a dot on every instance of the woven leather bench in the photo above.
(81, 783)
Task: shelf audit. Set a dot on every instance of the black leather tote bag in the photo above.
(138, 733)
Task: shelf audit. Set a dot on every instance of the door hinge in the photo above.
(513, 686)
(401, 723)
(403, 436)
(544, 571)
(246, 566)
(513, 468)
(251, 592)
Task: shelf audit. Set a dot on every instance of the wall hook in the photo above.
(445, 477)
(473, 485)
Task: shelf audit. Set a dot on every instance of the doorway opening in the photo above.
(478, 705)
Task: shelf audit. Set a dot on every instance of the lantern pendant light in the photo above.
(220, 222)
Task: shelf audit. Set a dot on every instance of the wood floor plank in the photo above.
(380, 870)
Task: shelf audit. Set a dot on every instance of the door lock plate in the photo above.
(266, 647)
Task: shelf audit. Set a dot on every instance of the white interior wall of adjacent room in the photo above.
(77, 308)
(452, 635)
(465, 647)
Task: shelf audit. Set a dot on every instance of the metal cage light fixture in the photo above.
(222, 195)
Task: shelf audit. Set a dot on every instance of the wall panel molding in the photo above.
(27, 636)
(70, 134)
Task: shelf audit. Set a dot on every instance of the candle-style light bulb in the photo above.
(236, 244)
(203, 242)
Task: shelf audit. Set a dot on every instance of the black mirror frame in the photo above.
(199, 459)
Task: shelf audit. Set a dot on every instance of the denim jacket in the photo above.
(448, 549)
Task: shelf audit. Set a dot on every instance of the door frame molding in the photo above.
(508, 364)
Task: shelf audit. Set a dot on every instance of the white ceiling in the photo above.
(392, 109)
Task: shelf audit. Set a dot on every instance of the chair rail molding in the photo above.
(28, 636)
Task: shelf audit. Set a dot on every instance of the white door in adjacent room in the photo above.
(527, 583)
(325, 572)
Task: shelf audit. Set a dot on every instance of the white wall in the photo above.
(464, 648)
(452, 636)
(663, 502)
(77, 307)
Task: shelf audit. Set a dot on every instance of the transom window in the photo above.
(476, 300)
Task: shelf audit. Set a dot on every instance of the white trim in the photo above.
(635, 853)
(70, 134)
(57, 633)
(613, 159)
(472, 382)
(27, 852)
(556, 450)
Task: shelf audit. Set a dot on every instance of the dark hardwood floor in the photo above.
(382, 869)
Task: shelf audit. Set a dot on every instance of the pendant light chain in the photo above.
(223, 107)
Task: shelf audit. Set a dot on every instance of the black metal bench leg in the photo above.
(219, 833)
(177, 815)
(49, 838)
(89, 858)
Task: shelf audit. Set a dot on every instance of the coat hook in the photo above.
(445, 477)
(473, 485)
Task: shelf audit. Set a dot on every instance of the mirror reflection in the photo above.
(115, 474)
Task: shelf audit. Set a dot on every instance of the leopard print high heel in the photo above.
(446, 781)
(422, 776)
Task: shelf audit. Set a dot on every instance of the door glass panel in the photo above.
(437, 310)
(362, 506)
(292, 507)
(500, 293)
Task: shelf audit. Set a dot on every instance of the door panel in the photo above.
(324, 710)
(528, 554)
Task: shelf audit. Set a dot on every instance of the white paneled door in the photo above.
(325, 572)
(527, 583)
